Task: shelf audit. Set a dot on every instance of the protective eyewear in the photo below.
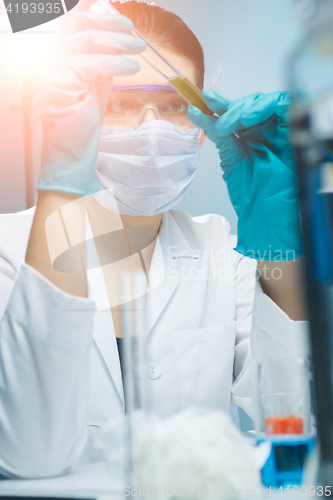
(127, 106)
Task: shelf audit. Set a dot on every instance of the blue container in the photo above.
(285, 464)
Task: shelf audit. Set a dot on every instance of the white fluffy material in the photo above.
(193, 448)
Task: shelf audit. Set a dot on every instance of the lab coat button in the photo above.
(154, 371)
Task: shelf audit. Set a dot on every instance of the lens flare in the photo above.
(26, 52)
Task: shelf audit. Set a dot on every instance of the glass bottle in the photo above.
(311, 82)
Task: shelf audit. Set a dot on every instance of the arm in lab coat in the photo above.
(263, 330)
(45, 337)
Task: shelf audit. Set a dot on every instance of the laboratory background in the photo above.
(249, 47)
(246, 43)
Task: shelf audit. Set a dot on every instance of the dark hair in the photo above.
(165, 29)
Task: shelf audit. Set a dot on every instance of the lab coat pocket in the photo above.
(205, 358)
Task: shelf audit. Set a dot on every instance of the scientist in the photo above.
(120, 149)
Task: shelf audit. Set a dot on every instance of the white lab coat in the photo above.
(60, 377)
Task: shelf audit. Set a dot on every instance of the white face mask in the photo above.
(147, 169)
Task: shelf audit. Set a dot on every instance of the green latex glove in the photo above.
(258, 167)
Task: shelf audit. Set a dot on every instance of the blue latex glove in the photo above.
(259, 170)
(72, 100)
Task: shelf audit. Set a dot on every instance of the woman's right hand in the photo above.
(72, 99)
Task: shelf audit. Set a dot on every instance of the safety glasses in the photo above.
(129, 106)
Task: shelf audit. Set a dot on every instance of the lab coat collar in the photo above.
(170, 247)
(104, 333)
(164, 276)
(105, 339)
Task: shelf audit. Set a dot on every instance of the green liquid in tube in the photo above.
(190, 92)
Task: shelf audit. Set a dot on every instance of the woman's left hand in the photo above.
(258, 167)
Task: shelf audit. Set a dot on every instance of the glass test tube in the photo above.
(134, 326)
(164, 67)
(128, 378)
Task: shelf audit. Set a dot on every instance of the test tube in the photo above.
(133, 294)
(140, 319)
(162, 65)
(128, 377)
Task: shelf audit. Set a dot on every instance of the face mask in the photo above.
(147, 170)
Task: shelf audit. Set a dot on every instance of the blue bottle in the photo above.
(285, 464)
